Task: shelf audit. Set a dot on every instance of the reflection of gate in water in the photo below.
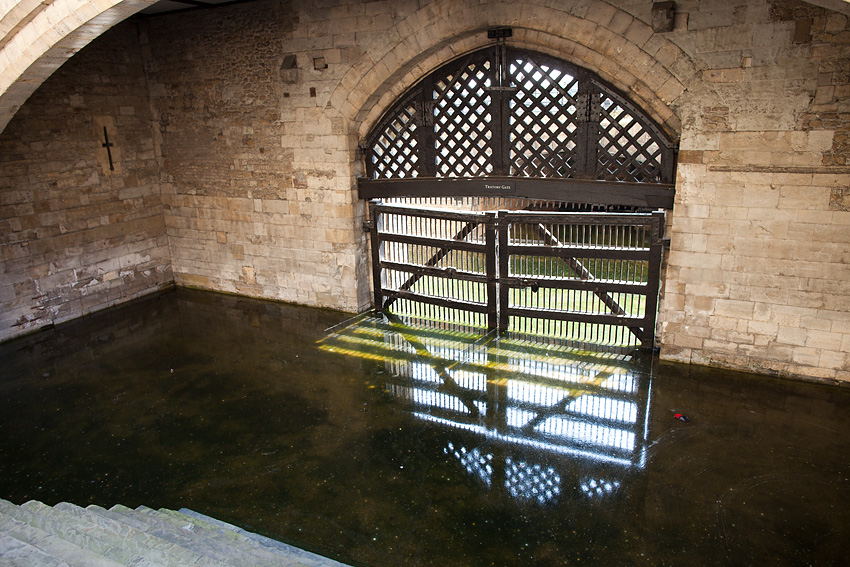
(518, 407)
(584, 277)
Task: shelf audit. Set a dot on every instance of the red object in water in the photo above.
(681, 417)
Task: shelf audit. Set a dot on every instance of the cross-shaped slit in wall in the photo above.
(108, 145)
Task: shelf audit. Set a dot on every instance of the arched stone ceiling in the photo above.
(38, 36)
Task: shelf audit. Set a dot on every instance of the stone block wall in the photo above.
(36, 38)
(75, 235)
(256, 166)
(759, 268)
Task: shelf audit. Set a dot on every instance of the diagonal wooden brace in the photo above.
(582, 272)
(433, 261)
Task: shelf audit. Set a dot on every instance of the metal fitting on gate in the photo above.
(530, 283)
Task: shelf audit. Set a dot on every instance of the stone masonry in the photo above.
(76, 235)
(244, 179)
(758, 276)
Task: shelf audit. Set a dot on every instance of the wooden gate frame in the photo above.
(498, 250)
(643, 328)
(472, 219)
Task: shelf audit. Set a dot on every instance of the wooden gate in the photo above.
(505, 123)
(581, 277)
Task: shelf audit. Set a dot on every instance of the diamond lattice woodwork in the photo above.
(505, 112)
(543, 135)
(395, 152)
(463, 121)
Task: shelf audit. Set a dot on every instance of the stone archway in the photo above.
(623, 50)
(507, 124)
(38, 37)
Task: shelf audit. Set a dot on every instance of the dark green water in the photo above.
(245, 411)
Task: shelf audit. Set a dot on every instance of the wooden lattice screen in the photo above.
(501, 112)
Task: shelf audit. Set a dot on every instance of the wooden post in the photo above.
(377, 272)
(490, 260)
(653, 280)
(503, 268)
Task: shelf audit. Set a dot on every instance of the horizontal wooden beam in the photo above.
(650, 195)
(583, 252)
(444, 244)
(639, 220)
(575, 316)
(448, 273)
(438, 301)
(434, 213)
(594, 286)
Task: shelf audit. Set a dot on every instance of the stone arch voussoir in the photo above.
(41, 36)
(623, 50)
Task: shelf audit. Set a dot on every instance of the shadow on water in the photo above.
(382, 444)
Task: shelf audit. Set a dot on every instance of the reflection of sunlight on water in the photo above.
(474, 461)
(588, 433)
(517, 396)
(594, 488)
(527, 442)
(470, 380)
(604, 408)
(525, 481)
(621, 383)
(428, 398)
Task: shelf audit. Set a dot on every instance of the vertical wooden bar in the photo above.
(668, 165)
(587, 117)
(502, 223)
(426, 139)
(377, 273)
(499, 111)
(490, 270)
(653, 281)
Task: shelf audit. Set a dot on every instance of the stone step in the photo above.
(84, 536)
(297, 555)
(68, 530)
(66, 535)
(17, 553)
(280, 552)
(196, 535)
(121, 548)
(139, 543)
(62, 552)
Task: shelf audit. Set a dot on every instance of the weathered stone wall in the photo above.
(258, 110)
(759, 271)
(77, 236)
(757, 275)
(257, 169)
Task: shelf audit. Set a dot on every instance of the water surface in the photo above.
(386, 446)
